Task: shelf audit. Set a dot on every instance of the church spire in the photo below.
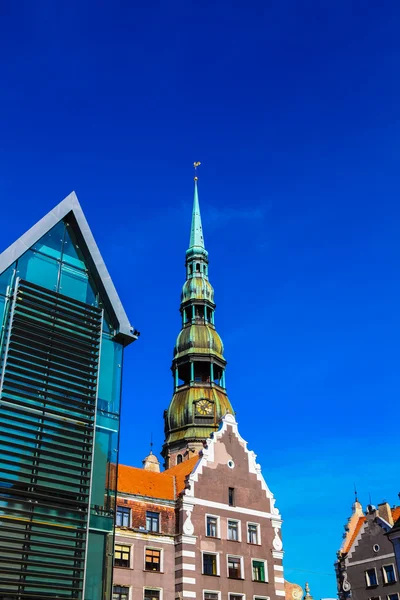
(196, 231)
(198, 366)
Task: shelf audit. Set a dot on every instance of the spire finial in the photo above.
(307, 594)
(355, 493)
(196, 232)
(196, 165)
(151, 443)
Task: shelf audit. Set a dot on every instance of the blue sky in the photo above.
(293, 109)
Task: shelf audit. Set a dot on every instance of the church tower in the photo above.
(198, 366)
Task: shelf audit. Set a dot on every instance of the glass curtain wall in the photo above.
(59, 425)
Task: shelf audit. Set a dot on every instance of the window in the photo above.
(179, 459)
(211, 595)
(123, 516)
(252, 533)
(392, 597)
(122, 556)
(234, 567)
(371, 577)
(376, 598)
(233, 531)
(120, 592)
(150, 594)
(236, 597)
(197, 267)
(231, 496)
(152, 521)
(152, 559)
(210, 564)
(259, 570)
(389, 576)
(212, 526)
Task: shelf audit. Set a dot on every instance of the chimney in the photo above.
(386, 512)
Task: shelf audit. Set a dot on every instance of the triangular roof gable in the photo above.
(207, 455)
(70, 204)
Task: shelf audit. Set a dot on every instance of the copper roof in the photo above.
(166, 485)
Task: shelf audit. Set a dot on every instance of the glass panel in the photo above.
(51, 242)
(110, 376)
(5, 279)
(75, 283)
(71, 251)
(94, 569)
(106, 443)
(38, 268)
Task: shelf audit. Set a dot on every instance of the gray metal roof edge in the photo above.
(30, 237)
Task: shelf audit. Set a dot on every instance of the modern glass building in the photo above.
(62, 335)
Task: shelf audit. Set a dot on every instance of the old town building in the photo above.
(366, 565)
(206, 527)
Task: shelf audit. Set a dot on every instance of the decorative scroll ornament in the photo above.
(297, 594)
(345, 583)
(188, 527)
(277, 543)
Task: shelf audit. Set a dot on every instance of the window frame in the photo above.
(216, 554)
(265, 563)
(239, 530)
(367, 579)
(230, 594)
(258, 597)
(218, 524)
(124, 545)
(231, 493)
(161, 570)
(154, 589)
(153, 512)
(129, 588)
(124, 510)
(258, 533)
(212, 592)
(393, 594)
(384, 574)
(228, 556)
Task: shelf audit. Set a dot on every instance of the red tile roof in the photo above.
(166, 485)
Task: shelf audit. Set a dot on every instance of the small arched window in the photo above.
(190, 269)
(198, 267)
(179, 459)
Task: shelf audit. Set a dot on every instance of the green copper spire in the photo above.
(196, 232)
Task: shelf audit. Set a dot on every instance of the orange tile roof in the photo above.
(396, 513)
(165, 485)
(361, 520)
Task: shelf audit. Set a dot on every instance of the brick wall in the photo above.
(138, 514)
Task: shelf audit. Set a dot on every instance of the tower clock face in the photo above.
(204, 408)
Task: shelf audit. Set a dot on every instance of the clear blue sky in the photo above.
(293, 109)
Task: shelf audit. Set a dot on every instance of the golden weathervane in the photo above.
(196, 164)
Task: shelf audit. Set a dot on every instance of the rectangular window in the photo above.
(120, 592)
(211, 595)
(212, 526)
(152, 521)
(210, 564)
(391, 597)
(150, 594)
(123, 516)
(371, 577)
(236, 597)
(389, 576)
(122, 556)
(258, 570)
(152, 559)
(233, 531)
(375, 598)
(231, 496)
(234, 567)
(252, 533)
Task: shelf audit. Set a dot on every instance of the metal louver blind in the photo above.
(47, 412)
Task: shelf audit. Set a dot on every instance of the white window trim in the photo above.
(379, 598)
(263, 560)
(393, 594)
(212, 592)
(258, 597)
(123, 585)
(384, 573)
(367, 577)
(258, 533)
(152, 587)
(130, 546)
(241, 566)
(236, 594)
(239, 524)
(202, 562)
(159, 522)
(161, 563)
(218, 525)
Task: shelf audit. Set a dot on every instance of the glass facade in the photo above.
(60, 369)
